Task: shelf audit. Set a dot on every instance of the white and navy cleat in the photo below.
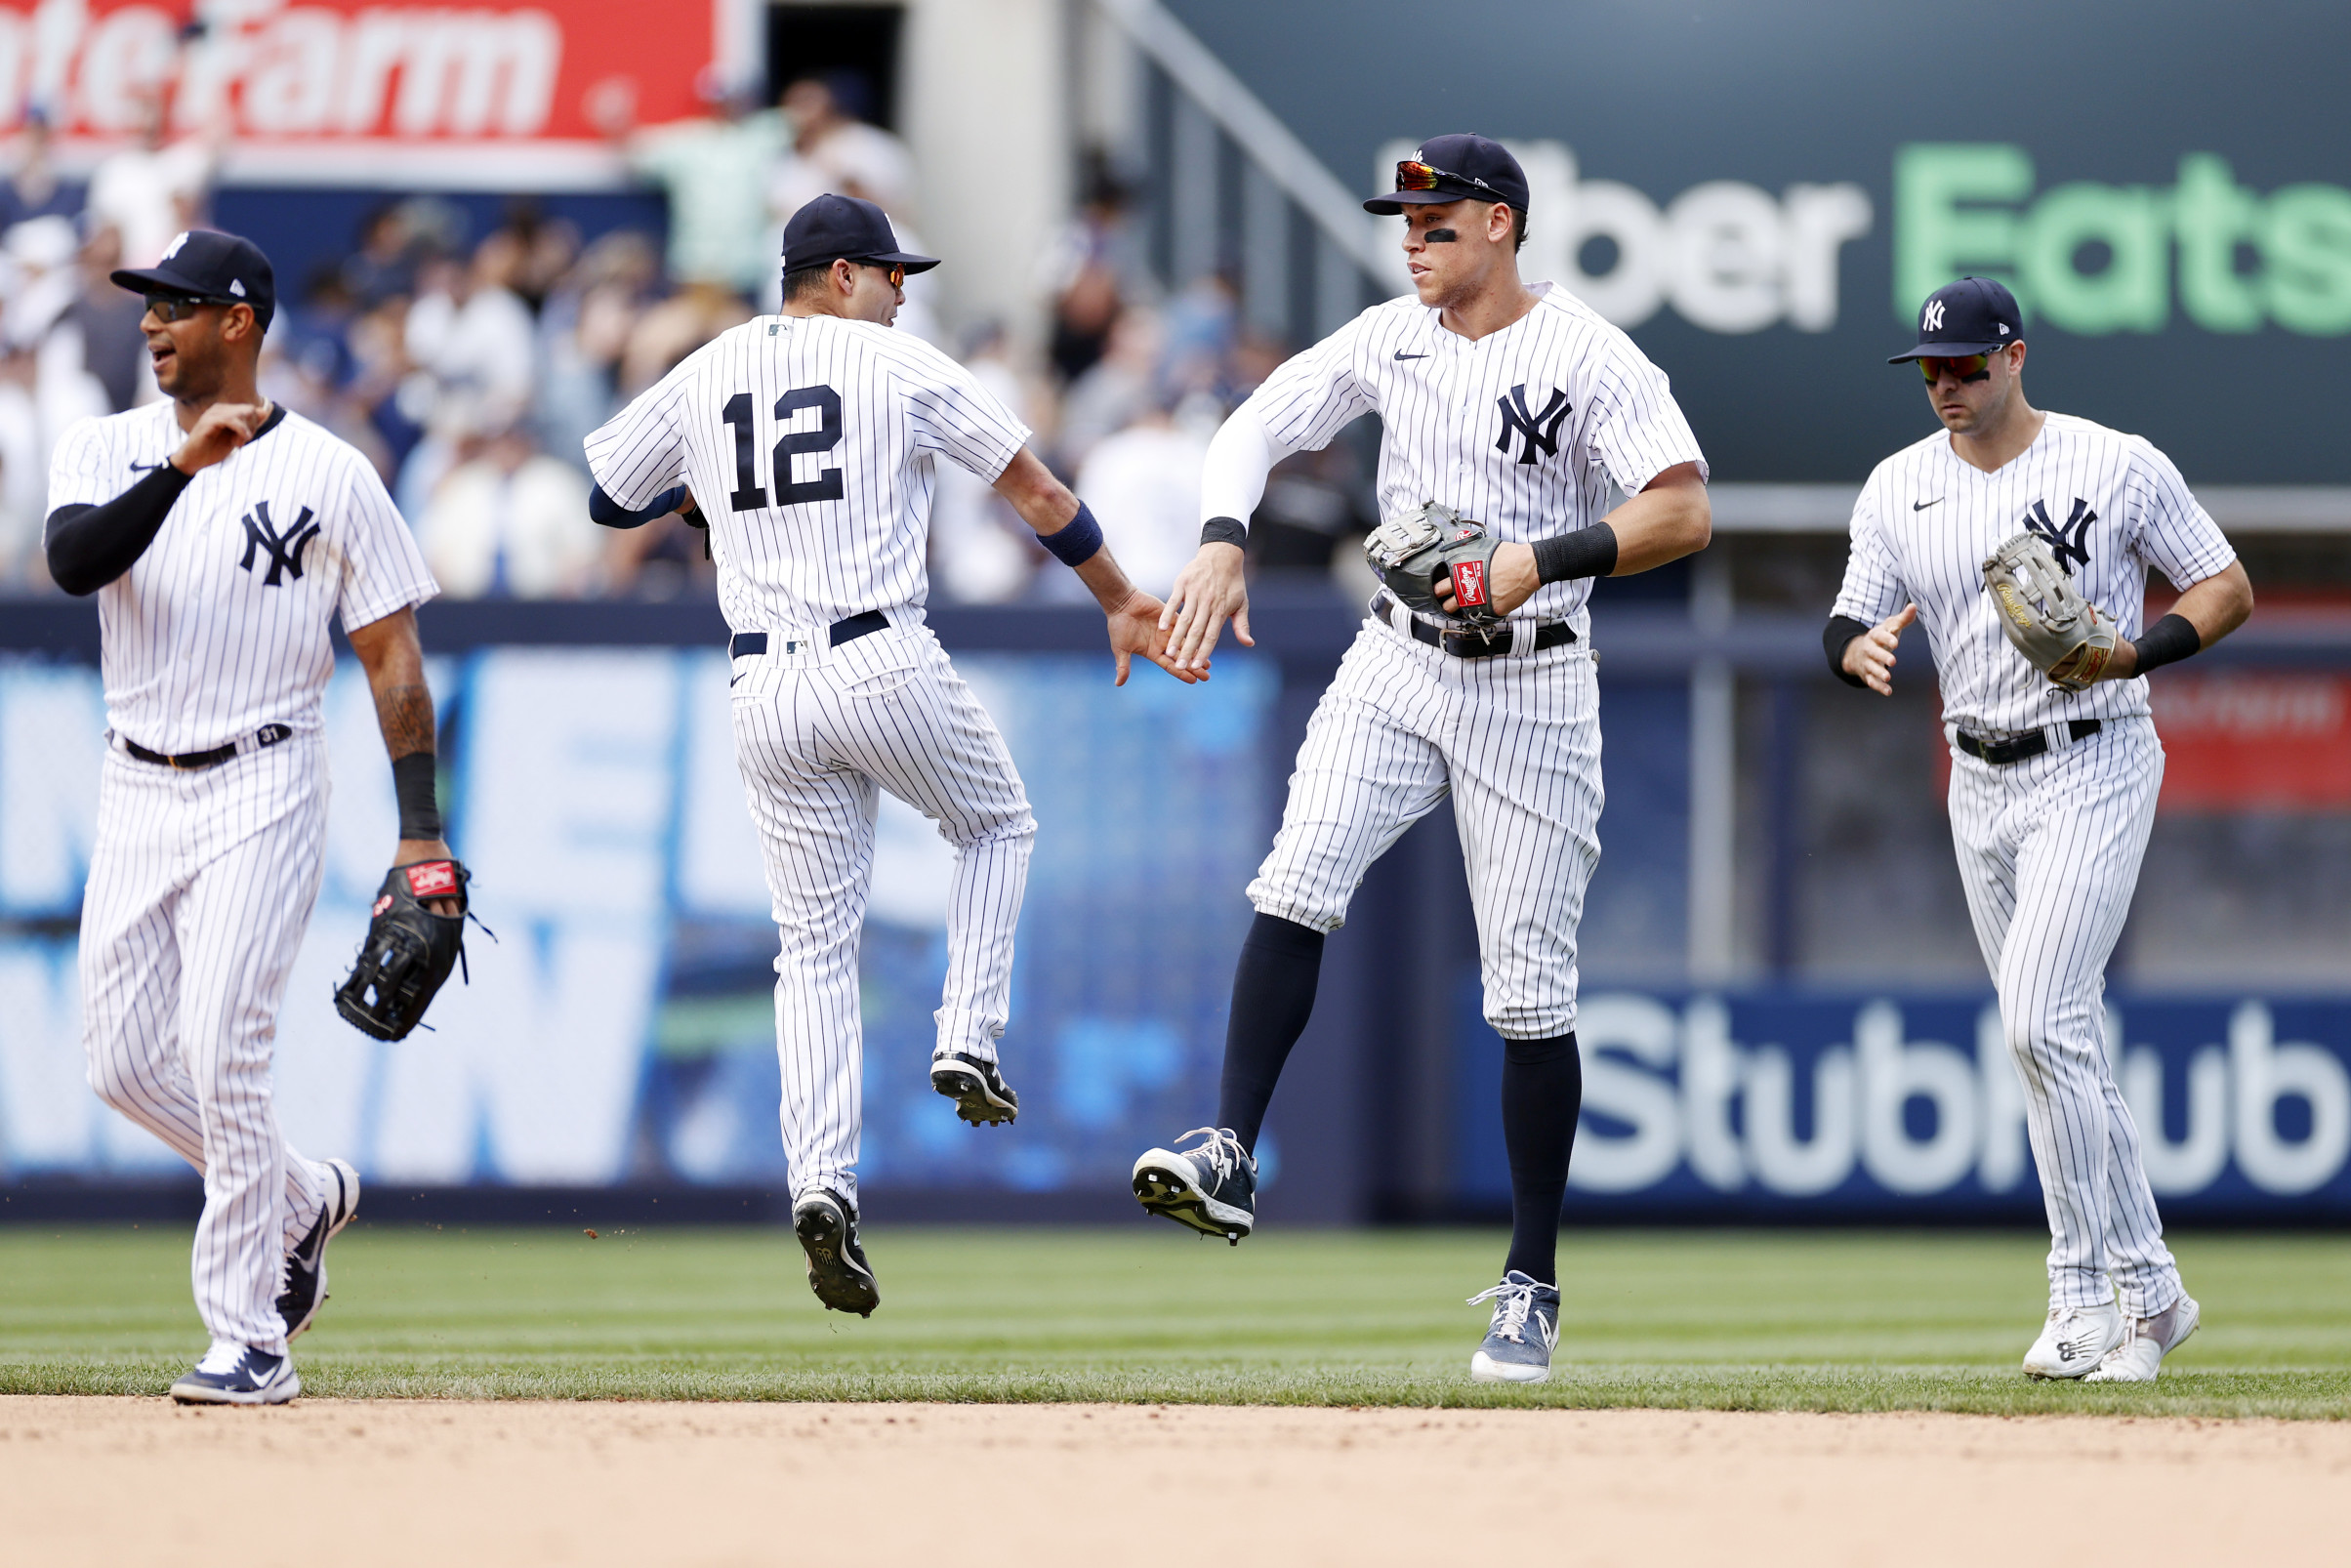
(1523, 1334)
(981, 1096)
(232, 1374)
(2146, 1340)
(304, 1288)
(2074, 1341)
(827, 1227)
(1211, 1188)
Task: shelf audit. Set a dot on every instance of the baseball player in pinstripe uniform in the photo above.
(807, 442)
(220, 534)
(1517, 406)
(2054, 770)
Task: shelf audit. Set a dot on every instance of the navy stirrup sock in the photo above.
(1273, 994)
(1542, 1092)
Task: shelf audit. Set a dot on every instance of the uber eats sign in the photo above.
(2093, 259)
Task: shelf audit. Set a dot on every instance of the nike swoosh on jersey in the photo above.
(1921, 506)
(141, 468)
(1401, 355)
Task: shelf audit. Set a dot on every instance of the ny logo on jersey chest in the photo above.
(283, 550)
(2069, 541)
(1542, 430)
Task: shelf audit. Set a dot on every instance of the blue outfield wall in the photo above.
(620, 1032)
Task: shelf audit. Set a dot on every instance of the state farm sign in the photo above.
(295, 82)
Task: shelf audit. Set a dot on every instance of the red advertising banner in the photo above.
(2250, 741)
(345, 92)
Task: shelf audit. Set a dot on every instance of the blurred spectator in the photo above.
(1121, 387)
(980, 551)
(712, 169)
(833, 148)
(1092, 267)
(385, 263)
(584, 329)
(1143, 485)
(545, 249)
(474, 349)
(24, 474)
(33, 189)
(154, 192)
(511, 521)
(107, 317)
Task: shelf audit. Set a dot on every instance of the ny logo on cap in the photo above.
(174, 248)
(1932, 321)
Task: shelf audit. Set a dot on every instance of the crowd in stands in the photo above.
(469, 365)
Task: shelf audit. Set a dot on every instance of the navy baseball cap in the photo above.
(1974, 316)
(834, 228)
(205, 264)
(1455, 168)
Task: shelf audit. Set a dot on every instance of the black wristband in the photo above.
(413, 781)
(1840, 633)
(1587, 553)
(1225, 531)
(2167, 641)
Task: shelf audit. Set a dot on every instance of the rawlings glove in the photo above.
(409, 950)
(2060, 634)
(1411, 552)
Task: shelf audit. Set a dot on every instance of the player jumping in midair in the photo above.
(1514, 405)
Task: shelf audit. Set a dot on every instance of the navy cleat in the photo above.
(827, 1227)
(980, 1095)
(1212, 1188)
(232, 1374)
(304, 1289)
(1525, 1327)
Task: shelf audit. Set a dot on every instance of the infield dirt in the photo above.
(362, 1483)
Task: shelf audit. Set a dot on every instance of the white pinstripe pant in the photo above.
(2049, 852)
(200, 888)
(1517, 742)
(818, 735)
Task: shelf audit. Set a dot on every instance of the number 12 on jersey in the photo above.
(747, 495)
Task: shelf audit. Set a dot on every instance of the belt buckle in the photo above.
(1485, 634)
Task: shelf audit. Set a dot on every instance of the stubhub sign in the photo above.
(1783, 1099)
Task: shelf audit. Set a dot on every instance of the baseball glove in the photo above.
(1411, 552)
(2060, 634)
(409, 950)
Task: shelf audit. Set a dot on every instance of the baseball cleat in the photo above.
(2074, 1341)
(1525, 1328)
(232, 1374)
(827, 1227)
(2146, 1340)
(1212, 1187)
(304, 1288)
(981, 1096)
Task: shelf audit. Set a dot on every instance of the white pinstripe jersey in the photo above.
(1522, 429)
(807, 442)
(2111, 506)
(220, 626)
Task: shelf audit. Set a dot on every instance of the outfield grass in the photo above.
(1775, 1320)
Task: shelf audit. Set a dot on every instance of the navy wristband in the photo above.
(1587, 553)
(1225, 531)
(413, 780)
(1075, 542)
(2167, 641)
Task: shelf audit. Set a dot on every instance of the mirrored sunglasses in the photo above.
(1966, 366)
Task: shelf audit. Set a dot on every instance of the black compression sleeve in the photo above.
(2167, 641)
(610, 514)
(89, 547)
(1842, 629)
(1587, 553)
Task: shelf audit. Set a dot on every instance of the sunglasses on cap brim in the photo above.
(1413, 175)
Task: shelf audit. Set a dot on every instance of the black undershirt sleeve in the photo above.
(89, 547)
(1842, 629)
(2167, 641)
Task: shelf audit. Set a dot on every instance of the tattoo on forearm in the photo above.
(406, 714)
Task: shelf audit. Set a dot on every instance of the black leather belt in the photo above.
(191, 761)
(2001, 753)
(1474, 643)
(848, 631)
